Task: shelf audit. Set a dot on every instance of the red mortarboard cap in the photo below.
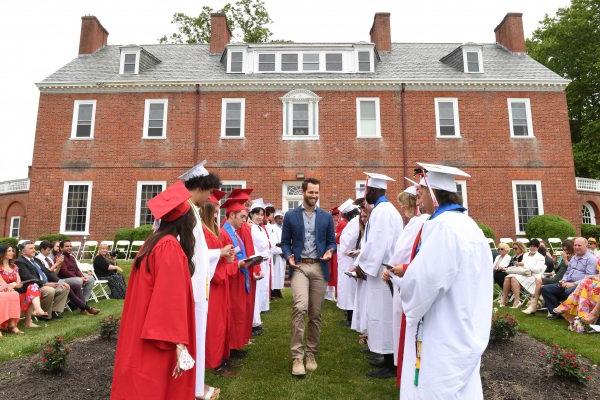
(216, 196)
(234, 205)
(240, 194)
(170, 204)
(335, 211)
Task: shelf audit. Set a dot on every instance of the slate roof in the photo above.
(410, 62)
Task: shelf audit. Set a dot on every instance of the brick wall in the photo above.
(12, 205)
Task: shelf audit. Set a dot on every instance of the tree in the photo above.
(569, 44)
(248, 20)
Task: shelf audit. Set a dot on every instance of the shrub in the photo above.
(9, 241)
(109, 327)
(54, 237)
(53, 357)
(504, 327)
(124, 234)
(588, 231)
(547, 226)
(487, 231)
(565, 364)
(142, 232)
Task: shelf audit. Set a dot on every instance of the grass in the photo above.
(556, 332)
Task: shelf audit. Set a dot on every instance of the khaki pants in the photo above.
(53, 299)
(308, 292)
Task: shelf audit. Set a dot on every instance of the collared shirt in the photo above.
(580, 267)
(310, 242)
(41, 273)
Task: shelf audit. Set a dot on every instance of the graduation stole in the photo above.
(237, 242)
(196, 210)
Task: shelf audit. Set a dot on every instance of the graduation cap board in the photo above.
(441, 177)
(278, 213)
(170, 204)
(233, 205)
(347, 206)
(216, 196)
(377, 180)
(258, 203)
(240, 194)
(194, 172)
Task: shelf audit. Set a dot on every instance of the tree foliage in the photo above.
(248, 21)
(569, 44)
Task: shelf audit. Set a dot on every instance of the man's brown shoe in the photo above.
(298, 367)
(93, 310)
(311, 363)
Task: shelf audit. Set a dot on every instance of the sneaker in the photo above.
(311, 363)
(298, 367)
(531, 309)
(552, 316)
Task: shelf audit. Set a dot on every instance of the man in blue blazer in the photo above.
(307, 243)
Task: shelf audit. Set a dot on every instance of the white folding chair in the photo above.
(555, 244)
(136, 245)
(525, 241)
(75, 249)
(37, 245)
(571, 237)
(122, 246)
(99, 289)
(89, 248)
(492, 244)
(508, 241)
(20, 242)
(109, 243)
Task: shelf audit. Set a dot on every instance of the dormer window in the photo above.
(310, 62)
(472, 60)
(266, 62)
(130, 62)
(236, 62)
(333, 62)
(364, 61)
(289, 62)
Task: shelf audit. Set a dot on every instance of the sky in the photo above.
(40, 36)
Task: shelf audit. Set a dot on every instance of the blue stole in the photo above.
(239, 255)
(442, 209)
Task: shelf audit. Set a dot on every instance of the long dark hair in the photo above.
(182, 227)
(207, 214)
(3, 251)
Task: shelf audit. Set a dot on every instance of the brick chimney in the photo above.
(509, 33)
(93, 35)
(380, 32)
(220, 34)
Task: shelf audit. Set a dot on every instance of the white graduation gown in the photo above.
(278, 264)
(381, 233)
(359, 316)
(450, 284)
(205, 262)
(402, 252)
(261, 248)
(346, 286)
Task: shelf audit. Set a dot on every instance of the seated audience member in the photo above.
(543, 250)
(501, 262)
(53, 295)
(70, 271)
(583, 303)
(10, 309)
(106, 268)
(593, 246)
(523, 274)
(56, 254)
(582, 264)
(50, 269)
(562, 262)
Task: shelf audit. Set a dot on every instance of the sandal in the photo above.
(16, 330)
(42, 314)
(211, 394)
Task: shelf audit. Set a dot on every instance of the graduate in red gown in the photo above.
(339, 227)
(157, 335)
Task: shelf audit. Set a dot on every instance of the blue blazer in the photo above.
(292, 235)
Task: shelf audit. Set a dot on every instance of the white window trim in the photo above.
(147, 116)
(243, 62)
(301, 61)
(137, 62)
(284, 195)
(76, 105)
(454, 101)
(224, 103)
(529, 119)
(232, 183)
(280, 65)
(277, 62)
(465, 195)
(479, 59)
(590, 209)
(12, 226)
(324, 61)
(138, 206)
(377, 118)
(63, 212)
(357, 61)
(540, 198)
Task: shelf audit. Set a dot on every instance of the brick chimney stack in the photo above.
(220, 34)
(380, 32)
(93, 35)
(509, 33)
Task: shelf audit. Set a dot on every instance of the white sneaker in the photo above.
(530, 310)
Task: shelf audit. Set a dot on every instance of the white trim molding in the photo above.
(138, 197)
(456, 119)
(148, 102)
(131, 50)
(224, 103)
(527, 103)
(464, 194)
(359, 133)
(75, 120)
(540, 200)
(12, 226)
(300, 96)
(472, 49)
(63, 212)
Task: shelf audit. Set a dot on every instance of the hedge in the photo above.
(547, 226)
(9, 241)
(131, 234)
(487, 231)
(588, 231)
(54, 237)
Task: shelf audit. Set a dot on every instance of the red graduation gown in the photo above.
(333, 270)
(217, 346)
(158, 313)
(246, 234)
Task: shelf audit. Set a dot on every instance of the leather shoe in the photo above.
(56, 315)
(93, 311)
(298, 367)
(311, 363)
(382, 373)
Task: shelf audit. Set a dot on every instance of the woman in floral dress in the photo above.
(583, 303)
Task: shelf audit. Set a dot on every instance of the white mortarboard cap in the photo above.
(258, 203)
(411, 181)
(268, 205)
(412, 190)
(347, 206)
(441, 177)
(378, 180)
(278, 213)
(194, 172)
(360, 193)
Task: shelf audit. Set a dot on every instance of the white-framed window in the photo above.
(447, 123)
(519, 116)
(236, 61)
(461, 189)
(527, 201)
(334, 62)
(233, 113)
(472, 59)
(291, 196)
(145, 191)
(15, 226)
(84, 117)
(364, 61)
(368, 123)
(155, 119)
(300, 115)
(289, 62)
(588, 214)
(130, 62)
(76, 206)
(359, 188)
(228, 186)
(311, 62)
(266, 62)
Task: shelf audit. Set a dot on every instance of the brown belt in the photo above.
(309, 260)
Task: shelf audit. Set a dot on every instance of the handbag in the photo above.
(518, 271)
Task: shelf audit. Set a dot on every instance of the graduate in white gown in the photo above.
(262, 247)
(446, 294)
(381, 234)
(201, 183)
(359, 320)
(278, 264)
(346, 285)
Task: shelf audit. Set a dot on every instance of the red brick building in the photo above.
(118, 123)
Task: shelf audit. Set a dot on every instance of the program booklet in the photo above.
(250, 261)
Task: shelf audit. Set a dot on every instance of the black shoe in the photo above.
(257, 331)
(56, 315)
(551, 316)
(238, 353)
(382, 373)
(377, 362)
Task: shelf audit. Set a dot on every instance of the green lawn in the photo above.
(556, 332)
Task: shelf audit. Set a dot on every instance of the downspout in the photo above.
(403, 131)
(197, 124)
